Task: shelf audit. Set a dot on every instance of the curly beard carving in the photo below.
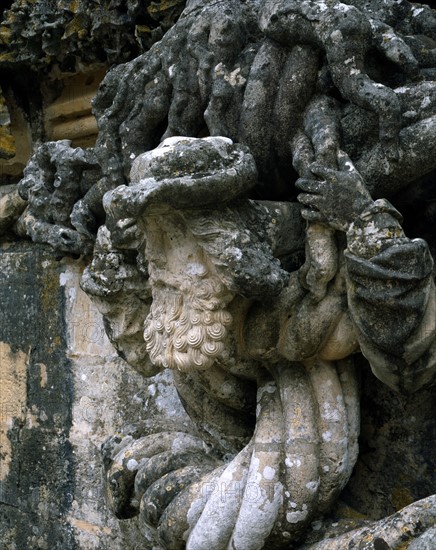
(187, 327)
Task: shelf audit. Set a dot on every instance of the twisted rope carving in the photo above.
(299, 458)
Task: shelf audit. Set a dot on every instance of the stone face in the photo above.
(223, 208)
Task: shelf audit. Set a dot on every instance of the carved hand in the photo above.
(334, 197)
(143, 476)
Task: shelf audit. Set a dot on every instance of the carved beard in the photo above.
(186, 326)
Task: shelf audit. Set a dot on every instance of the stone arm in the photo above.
(344, 33)
(391, 297)
(389, 278)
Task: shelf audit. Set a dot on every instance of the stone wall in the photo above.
(63, 388)
(63, 391)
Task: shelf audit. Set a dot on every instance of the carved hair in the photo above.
(186, 327)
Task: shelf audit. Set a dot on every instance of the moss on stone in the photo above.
(7, 144)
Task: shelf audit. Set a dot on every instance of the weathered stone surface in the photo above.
(37, 457)
(55, 178)
(58, 374)
(425, 541)
(16, 139)
(70, 116)
(70, 33)
(155, 216)
(11, 208)
(58, 47)
(395, 531)
(7, 142)
(203, 265)
(396, 450)
(239, 74)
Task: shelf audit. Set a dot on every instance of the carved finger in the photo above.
(163, 491)
(255, 128)
(263, 495)
(313, 215)
(183, 512)
(322, 257)
(161, 464)
(297, 81)
(302, 153)
(301, 474)
(308, 185)
(309, 199)
(321, 124)
(153, 444)
(122, 468)
(350, 388)
(323, 172)
(335, 468)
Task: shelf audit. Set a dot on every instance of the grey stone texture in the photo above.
(40, 34)
(237, 226)
(314, 396)
(63, 391)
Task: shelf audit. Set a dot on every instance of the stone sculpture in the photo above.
(197, 264)
(203, 321)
